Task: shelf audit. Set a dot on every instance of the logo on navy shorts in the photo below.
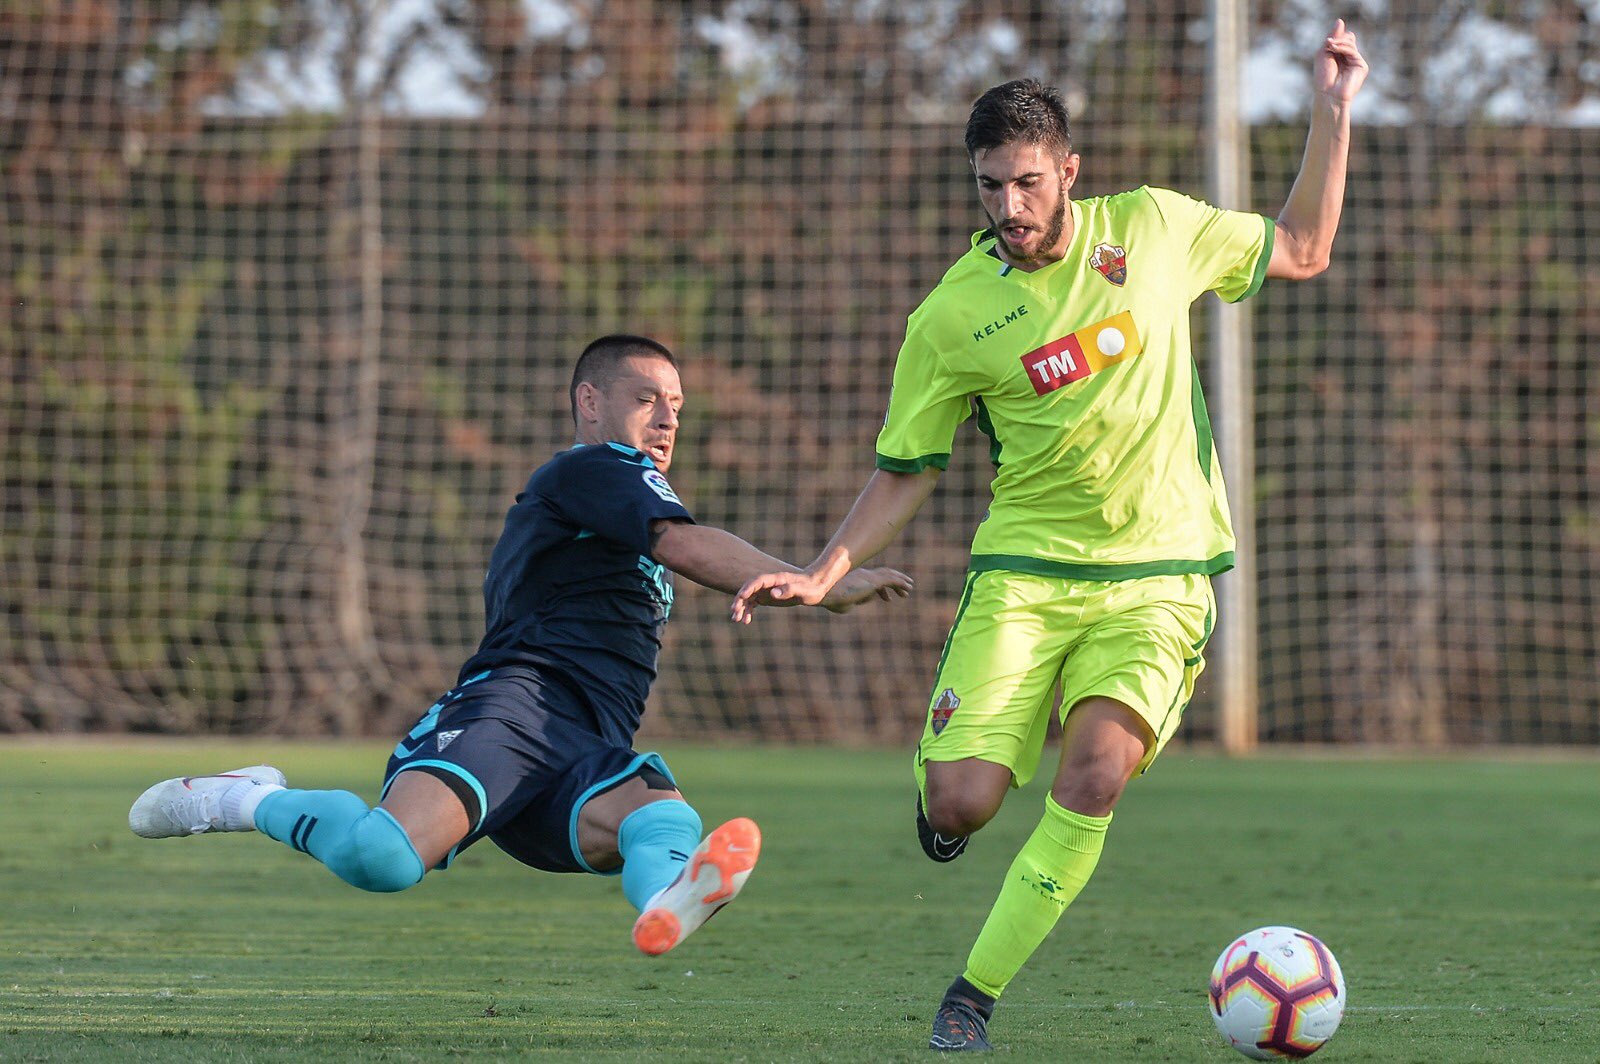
(448, 737)
(947, 704)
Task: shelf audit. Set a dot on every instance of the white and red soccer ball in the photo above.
(1277, 992)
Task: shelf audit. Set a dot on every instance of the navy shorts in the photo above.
(522, 752)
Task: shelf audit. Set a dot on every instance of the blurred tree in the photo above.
(124, 520)
(290, 286)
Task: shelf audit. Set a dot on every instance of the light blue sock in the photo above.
(366, 848)
(655, 841)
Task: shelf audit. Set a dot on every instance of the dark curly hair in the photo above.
(1027, 111)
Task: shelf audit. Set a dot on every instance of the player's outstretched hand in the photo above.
(1339, 69)
(863, 584)
(778, 589)
(807, 589)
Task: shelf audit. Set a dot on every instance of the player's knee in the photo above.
(376, 855)
(1092, 790)
(959, 797)
(954, 812)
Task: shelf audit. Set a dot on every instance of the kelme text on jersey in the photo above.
(1000, 323)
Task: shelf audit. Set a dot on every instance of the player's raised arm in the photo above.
(885, 506)
(718, 559)
(1305, 229)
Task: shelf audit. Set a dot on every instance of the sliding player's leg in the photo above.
(442, 779)
(643, 828)
(617, 812)
(460, 767)
(194, 805)
(372, 849)
(673, 877)
(365, 847)
(453, 771)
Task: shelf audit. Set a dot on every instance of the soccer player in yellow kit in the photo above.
(1065, 331)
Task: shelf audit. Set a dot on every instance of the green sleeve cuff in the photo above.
(913, 465)
(1260, 276)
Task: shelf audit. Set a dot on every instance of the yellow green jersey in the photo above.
(1082, 376)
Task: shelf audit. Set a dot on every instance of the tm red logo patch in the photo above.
(1082, 352)
(1055, 365)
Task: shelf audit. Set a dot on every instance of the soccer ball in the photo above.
(1277, 992)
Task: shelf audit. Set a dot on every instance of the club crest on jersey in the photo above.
(448, 737)
(947, 704)
(1110, 262)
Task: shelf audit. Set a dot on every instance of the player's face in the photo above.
(1024, 190)
(639, 408)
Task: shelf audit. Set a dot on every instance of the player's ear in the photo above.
(1070, 163)
(588, 397)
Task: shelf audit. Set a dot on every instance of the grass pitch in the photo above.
(1461, 897)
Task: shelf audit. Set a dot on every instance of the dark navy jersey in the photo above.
(571, 585)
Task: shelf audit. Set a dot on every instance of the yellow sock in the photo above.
(1055, 863)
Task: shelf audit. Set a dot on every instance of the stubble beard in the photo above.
(1052, 234)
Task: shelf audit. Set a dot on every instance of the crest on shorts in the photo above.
(1111, 262)
(947, 704)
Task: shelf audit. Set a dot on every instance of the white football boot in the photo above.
(712, 877)
(194, 805)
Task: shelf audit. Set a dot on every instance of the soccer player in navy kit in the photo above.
(533, 746)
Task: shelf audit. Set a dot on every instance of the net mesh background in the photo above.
(292, 292)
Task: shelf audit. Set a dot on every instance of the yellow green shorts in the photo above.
(1018, 636)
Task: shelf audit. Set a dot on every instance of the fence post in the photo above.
(1232, 387)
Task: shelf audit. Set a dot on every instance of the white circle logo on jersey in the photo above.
(1111, 342)
(659, 485)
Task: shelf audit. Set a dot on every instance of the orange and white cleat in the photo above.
(713, 877)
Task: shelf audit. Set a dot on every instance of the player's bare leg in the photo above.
(601, 818)
(962, 796)
(429, 812)
(1103, 744)
(385, 849)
